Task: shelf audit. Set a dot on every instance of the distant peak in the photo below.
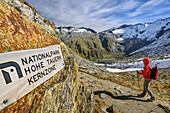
(76, 29)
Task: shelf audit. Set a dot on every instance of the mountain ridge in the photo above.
(139, 35)
(124, 39)
(84, 41)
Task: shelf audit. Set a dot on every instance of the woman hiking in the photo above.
(146, 73)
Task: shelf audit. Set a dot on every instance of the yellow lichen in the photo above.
(19, 33)
(26, 3)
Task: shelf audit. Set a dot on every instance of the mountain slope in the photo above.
(83, 41)
(134, 37)
(149, 31)
(159, 47)
(111, 42)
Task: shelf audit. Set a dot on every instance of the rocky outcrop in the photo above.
(63, 92)
(29, 11)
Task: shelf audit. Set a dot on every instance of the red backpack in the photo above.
(154, 72)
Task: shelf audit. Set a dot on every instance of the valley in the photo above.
(99, 70)
(142, 39)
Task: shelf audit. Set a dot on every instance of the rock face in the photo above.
(29, 11)
(158, 47)
(63, 92)
(112, 42)
(115, 43)
(83, 41)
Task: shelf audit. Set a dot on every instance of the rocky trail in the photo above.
(111, 97)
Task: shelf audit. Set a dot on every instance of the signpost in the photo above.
(22, 71)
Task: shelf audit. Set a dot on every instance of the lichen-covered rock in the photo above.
(63, 92)
(17, 32)
(66, 94)
(29, 11)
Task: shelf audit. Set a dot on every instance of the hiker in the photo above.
(146, 73)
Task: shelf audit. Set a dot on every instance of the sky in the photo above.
(101, 14)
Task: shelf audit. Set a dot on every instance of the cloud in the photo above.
(116, 7)
(96, 14)
(150, 7)
(150, 4)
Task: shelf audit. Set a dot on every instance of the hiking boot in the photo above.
(151, 99)
(141, 95)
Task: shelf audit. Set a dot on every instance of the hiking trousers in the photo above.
(146, 89)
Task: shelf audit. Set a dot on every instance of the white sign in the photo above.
(22, 71)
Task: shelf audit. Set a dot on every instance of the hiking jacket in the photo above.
(146, 71)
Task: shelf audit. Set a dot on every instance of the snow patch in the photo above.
(115, 70)
(66, 30)
(138, 65)
(164, 63)
(118, 31)
(120, 39)
(99, 64)
(80, 30)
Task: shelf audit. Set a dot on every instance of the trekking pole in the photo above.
(138, 79)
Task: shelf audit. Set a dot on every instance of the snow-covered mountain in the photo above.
(74, 33)
(151, 38)
(158, 47)
(75, 29)
(149, 31)
(134, 37)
